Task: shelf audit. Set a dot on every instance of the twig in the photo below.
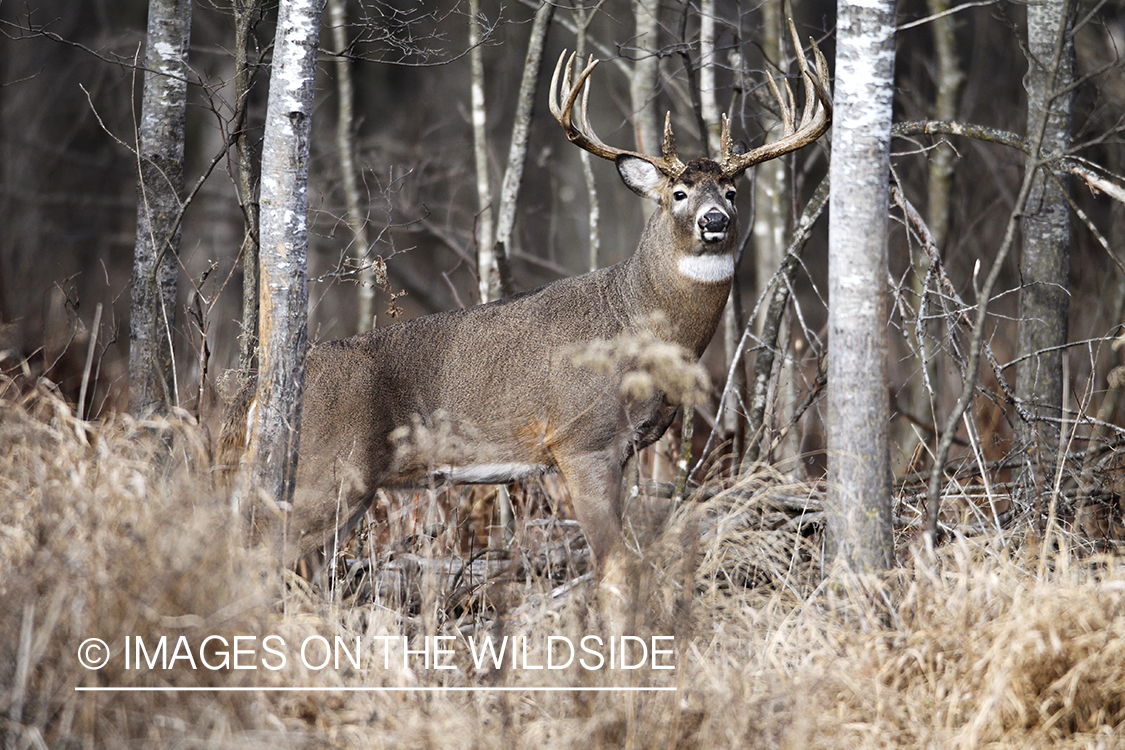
(89, 362)
(918, 224)
(1098, 178)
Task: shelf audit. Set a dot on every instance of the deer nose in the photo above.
(713, 223)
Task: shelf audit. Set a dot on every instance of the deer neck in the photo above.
(685, 283)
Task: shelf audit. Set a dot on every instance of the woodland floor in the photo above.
(116, 530)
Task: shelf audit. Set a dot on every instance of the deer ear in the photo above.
(642, 176)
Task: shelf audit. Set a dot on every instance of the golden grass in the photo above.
(115, 530)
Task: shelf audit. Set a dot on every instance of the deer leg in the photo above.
(327, 504)
(595, 480)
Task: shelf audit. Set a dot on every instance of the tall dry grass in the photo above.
(115, 529)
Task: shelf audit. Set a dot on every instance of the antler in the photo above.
(815, 118)
(583, 135)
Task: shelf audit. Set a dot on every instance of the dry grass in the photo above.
(648, 363)
(114, 530)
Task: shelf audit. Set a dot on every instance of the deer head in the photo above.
(696, 218)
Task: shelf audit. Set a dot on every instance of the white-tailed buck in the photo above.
(493, 393)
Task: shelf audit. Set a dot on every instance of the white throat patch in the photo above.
(707, 268)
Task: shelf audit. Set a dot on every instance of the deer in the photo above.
(495, 393)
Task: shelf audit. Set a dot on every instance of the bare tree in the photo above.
(771, 195)
(1045, 262)
(510, 188)
(284, 237)
(160, 157)
(859, 491)
(582, 18)
(646, 72)
(708, 103)
(486, 256)
(247, 13)
(772, 213)
(345, 145)
(949, 79)
(517, 149)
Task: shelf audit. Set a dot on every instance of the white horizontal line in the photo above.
(453, 689)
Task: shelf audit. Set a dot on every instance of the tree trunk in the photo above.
(345, 145)
(859, 492)
(582, 18)
(772, 211)
(284, 280)
(517, 150)
(486, 257)
(949, 80)
(247, 13)
(709, 105)
(160, 157)
(646, 71)
(1045, 265)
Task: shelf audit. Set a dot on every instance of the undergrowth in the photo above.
(116, 530)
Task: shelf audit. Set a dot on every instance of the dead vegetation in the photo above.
(112, 530)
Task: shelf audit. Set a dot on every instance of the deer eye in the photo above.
(679, 195)
(730, 196)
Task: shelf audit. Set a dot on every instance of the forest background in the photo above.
(70, 92)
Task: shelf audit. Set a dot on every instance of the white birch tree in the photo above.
(644, 81)
(486, 257)
(859, 489)
(160, 158)
(284, 237)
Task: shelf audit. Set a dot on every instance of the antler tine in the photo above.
(816, 115)
(786, 105)
(806, 77)
(564, 113)
(726, 145)
(553, 94)
(586, 126)
(821, 80)
(669, 162)
(582, 133)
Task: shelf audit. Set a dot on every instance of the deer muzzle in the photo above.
(713, 225)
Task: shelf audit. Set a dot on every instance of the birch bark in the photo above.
(644, 81)
(284, 238)
(859, 492)
(486, 256)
